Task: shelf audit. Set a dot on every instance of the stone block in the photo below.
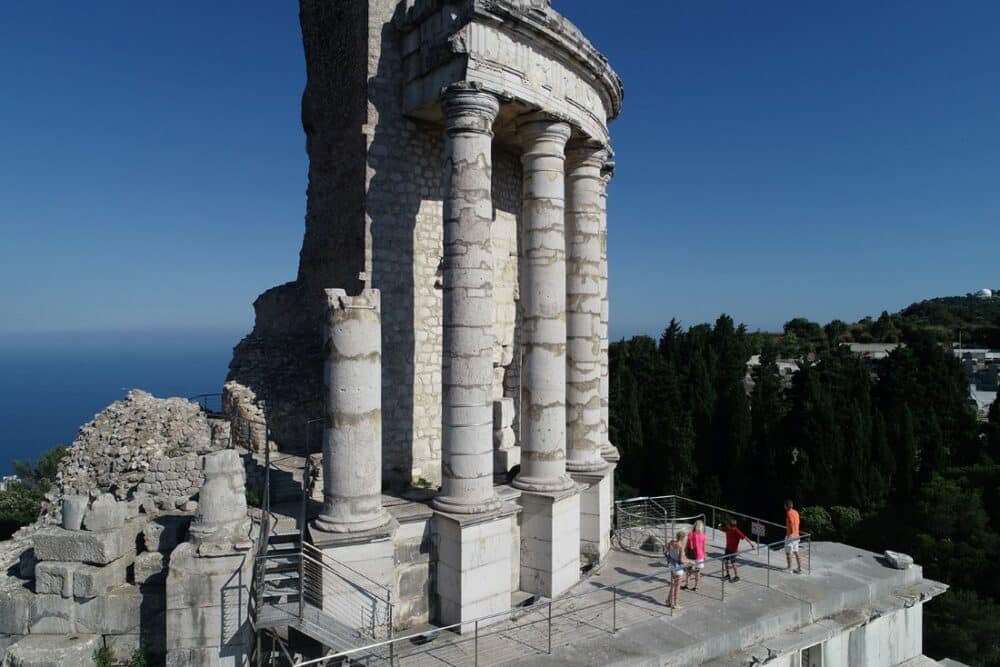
(150, 568)
(123, 646)
(80, 580)
(97, 548)
(898, 560)
(595, 513)
(15, 608)
(550, 542)
(105, 513)
(503, 413)
(52, 614)
(194, 581)
(165, 532)
(237, 655)
(474, 568)
(73, 510)
(53, 651)
(122, 611)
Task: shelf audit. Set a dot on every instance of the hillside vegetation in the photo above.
(892, 460)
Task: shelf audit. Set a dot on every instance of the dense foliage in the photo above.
(21, 501)
(974, 320)
(890, 457)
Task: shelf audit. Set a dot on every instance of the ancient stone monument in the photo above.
(453, 284)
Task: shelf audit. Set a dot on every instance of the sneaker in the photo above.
(797, 571)
(735, 579)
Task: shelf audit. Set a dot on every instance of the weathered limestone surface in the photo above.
(220, 524)
(550, 542)
(543, 299)
(352, 439)
(467, 375)
(608, 450)
(79, 579)
(84, 546)
(584, 216)
(473, 567)
(209, 578)
(53, 651)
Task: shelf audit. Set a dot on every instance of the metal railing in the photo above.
(209, 403)
(645, 525)
(548, 624)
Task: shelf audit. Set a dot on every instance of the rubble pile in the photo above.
(140, 444)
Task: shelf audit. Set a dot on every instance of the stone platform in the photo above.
(849, 590)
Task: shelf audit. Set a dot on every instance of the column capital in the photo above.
(587, 154)
(538, 126)
(469, 108)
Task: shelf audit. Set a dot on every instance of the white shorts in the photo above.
(677, 569)
(791, 546)
(699, 564)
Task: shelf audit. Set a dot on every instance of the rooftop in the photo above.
(617, 615)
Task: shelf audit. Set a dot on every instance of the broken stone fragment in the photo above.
(52, 651)
(165, 532)
(150, 569)
(898, 560)
(105, 513)
(97, 548)
(73, 510)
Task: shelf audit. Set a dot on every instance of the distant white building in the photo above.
(873, 351)
(985, 294)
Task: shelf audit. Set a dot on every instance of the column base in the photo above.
(610, 453)
(474, 566)
(343, 593)
(597, 466)
(543, 484)
(326, 524)
(550, 541)
(461, 506)
(596, 504)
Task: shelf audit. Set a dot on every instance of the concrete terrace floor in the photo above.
(728, 623)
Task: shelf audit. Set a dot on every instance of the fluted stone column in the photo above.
(467, 411)
(608, 450)
(352, 440)
(543, 303)
(584, 306)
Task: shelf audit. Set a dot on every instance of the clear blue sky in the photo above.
(775, 159)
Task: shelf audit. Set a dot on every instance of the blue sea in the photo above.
(51, 384)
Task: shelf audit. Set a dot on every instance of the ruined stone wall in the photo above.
(404, 212)
(281, 360)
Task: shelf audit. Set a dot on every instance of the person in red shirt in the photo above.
(733, 538)
(792, 537)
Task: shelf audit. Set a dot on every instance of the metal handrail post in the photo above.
(550, 628)
(723, 580)
(476, 640)
(768, 549)
(614, 609)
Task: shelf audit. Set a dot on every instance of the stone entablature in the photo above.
(523, 52)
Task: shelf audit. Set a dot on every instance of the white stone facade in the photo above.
(458, 153)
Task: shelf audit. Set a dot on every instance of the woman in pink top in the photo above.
(695, 550)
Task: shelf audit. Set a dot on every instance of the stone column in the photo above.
(608, 450)
(467, 365)
(584, 307)
(352, 439)
(543, 304)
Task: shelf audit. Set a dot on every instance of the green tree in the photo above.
(21, 501)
